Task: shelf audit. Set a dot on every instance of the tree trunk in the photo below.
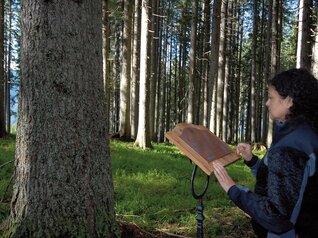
(143, 137)
(169, 79)
(206, 46)
(274, 56)
(225, 122)
(314, 65)
(239, 73)
(182, 80)
(304, 44)
(116, 75)
(164, 85)
(154, 73)
(253, 73)
(63, 185)
(221, 70)
(135, 70)
(192, 76)
(124, 125)
(106, 63)
(267, 73)
(159, 77)
(233, 66)
(2, 112)
(8, 74)
(215, 36)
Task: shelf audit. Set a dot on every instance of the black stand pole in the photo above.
(199, 197)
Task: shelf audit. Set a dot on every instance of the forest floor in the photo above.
(131, 230)
(152, 194)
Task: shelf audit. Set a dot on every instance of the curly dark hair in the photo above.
(302, 87)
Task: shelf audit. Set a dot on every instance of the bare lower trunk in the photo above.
(63, 184)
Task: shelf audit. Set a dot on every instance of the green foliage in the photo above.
(152, 190)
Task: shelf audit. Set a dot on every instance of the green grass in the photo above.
(7, 148)
(152, 190)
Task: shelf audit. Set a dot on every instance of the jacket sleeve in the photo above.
(253, 164)
(273, 209)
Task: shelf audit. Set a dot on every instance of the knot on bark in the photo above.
(60, 87)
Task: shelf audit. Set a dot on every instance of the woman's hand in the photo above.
(244, 150)
(222, 176)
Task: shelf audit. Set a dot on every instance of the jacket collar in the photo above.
(282, 129)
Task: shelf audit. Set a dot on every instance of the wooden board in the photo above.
(201, 146)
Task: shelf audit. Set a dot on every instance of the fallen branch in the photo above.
(126, 215)
(1, 166)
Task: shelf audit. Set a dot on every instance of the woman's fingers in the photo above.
(222, 176)
(219, 170)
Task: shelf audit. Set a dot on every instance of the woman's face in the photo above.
(278, 107)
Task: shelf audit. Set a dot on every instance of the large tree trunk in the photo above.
(63, 185)
(2, 121)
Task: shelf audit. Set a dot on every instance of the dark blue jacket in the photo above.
(278, 183)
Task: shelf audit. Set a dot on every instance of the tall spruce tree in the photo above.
(63, 185)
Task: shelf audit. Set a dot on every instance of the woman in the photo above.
(293, 105)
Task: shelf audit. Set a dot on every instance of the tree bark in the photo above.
(143, 137)
(273, 56)
(163, 84)
(106, 63)
(253, 73)
(116, 75)
(206, 46)
(304, 44)
(2, 112)
(8, 73)
(221, 70)
(135, 70)
(192, 75)
(63, 185)
(153, 62)
(215, 36)
(125, 79)
(239, 73)
(314, 65)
